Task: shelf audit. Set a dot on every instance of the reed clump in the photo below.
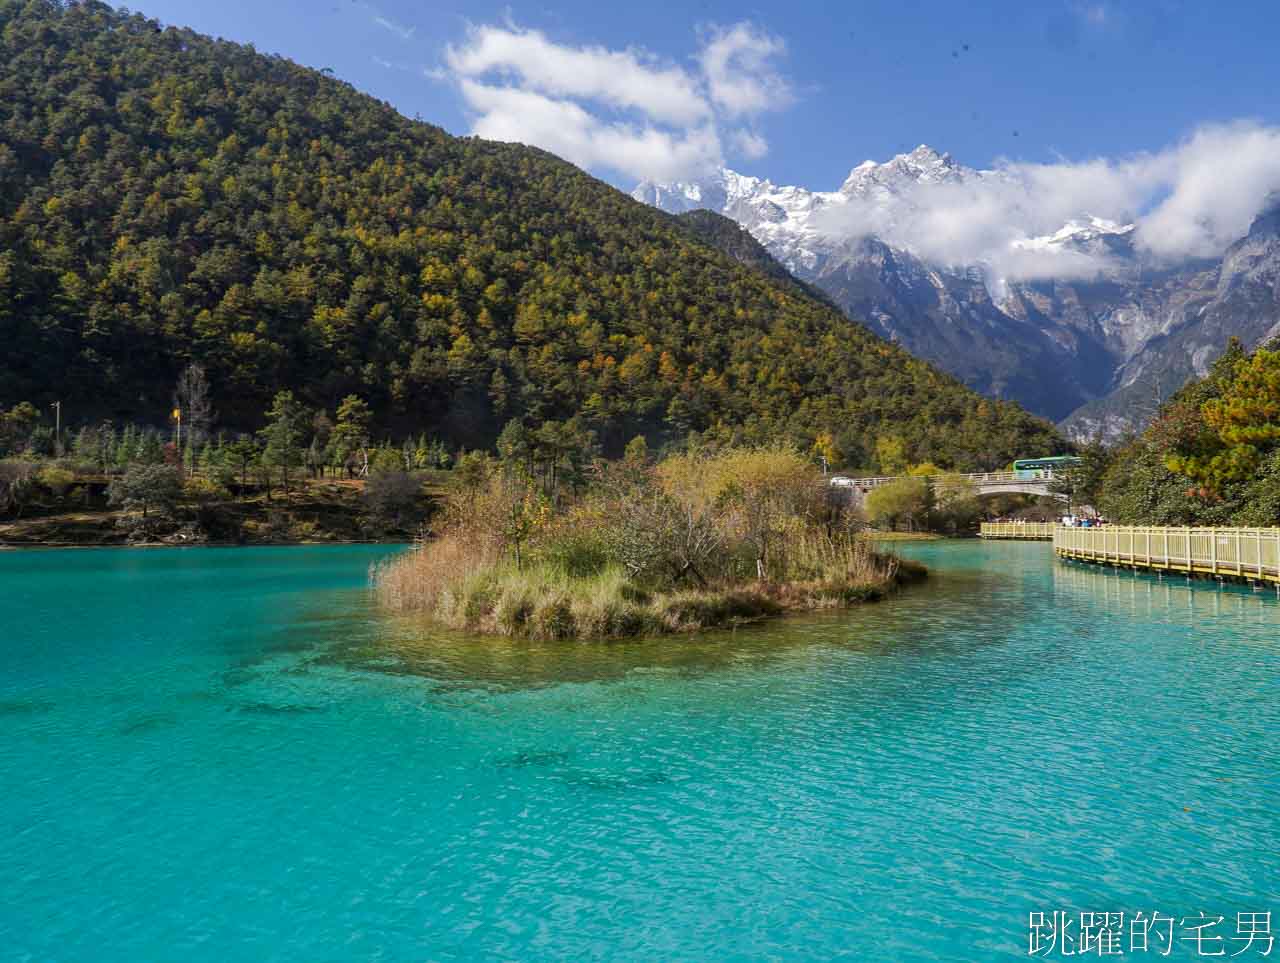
(694, 542)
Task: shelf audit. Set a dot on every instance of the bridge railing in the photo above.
(978, 478)
(1037, 530)
(1240, 552)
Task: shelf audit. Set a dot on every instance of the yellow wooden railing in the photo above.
(1251, 553)
(1041, 530)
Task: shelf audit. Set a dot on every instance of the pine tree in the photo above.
(350, 438)
(284, 434)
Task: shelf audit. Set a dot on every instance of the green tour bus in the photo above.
(1056, 463)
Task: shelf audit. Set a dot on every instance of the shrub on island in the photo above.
(696, 541)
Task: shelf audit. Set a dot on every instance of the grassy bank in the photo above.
(315, 511)
(695, 542)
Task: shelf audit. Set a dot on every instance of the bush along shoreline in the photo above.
(697, 541)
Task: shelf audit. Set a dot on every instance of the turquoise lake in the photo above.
(231, 755)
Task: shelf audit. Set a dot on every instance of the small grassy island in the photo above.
(696, 541)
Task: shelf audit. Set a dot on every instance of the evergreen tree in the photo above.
(284, 435)
(349, 442)
(242, 454)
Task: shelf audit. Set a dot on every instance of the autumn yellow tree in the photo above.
(763, 490)
(1246, 420)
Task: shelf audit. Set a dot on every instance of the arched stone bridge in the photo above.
(1032, 482)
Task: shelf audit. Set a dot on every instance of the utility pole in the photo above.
(57, 431)
(182, 469)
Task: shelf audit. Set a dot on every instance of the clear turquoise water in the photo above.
(229, 755)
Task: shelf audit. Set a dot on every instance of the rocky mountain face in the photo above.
(1196, 311)
(1095, 350)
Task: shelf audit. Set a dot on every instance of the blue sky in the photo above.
(838, 83)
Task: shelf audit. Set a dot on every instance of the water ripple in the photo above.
(309, 779)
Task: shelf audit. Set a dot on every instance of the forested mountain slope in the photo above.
(726, 235)
(165, 197)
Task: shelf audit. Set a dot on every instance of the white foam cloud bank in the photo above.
(626, 111)
(1027, 221)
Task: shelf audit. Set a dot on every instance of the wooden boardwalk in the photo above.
(1033, 530)
(1251, 554)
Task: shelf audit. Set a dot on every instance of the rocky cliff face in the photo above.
(1187, 318)
(1095, 349)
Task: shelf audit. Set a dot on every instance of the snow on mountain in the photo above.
(1057, 320)
(794, 223)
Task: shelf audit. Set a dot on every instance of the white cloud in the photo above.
(399, 29)
(750, 144)
(625, 79)
(1190, 200)
(627, 111)
(1216, 183)
(741, 79)
(567, 129)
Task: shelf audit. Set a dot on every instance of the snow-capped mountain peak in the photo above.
(924, 165)
(1058, 316)
(1085, 234)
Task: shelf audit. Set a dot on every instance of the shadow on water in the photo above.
(151, 722)
(600, 782)
(272, 709)
(25, 707)
(533, 759)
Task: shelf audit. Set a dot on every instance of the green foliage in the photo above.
(16, 426)
(699, 540)
(350, 436)
(16, 481)
(394, 499)
(168, 199)
(241, 455)
(891, 455)
(472, 472)
(1260, 499)
(1212, 454)
(1082, 484)
(150, 491)
(204, 491)
(903, 500)
(515, 447)
(957, 508)
(386, 460)
(637, 450)
(1242, 424)
(283, 435)
(56, 481)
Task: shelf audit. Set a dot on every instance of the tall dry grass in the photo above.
(468, 584)
(698, 547)
(420, 579)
